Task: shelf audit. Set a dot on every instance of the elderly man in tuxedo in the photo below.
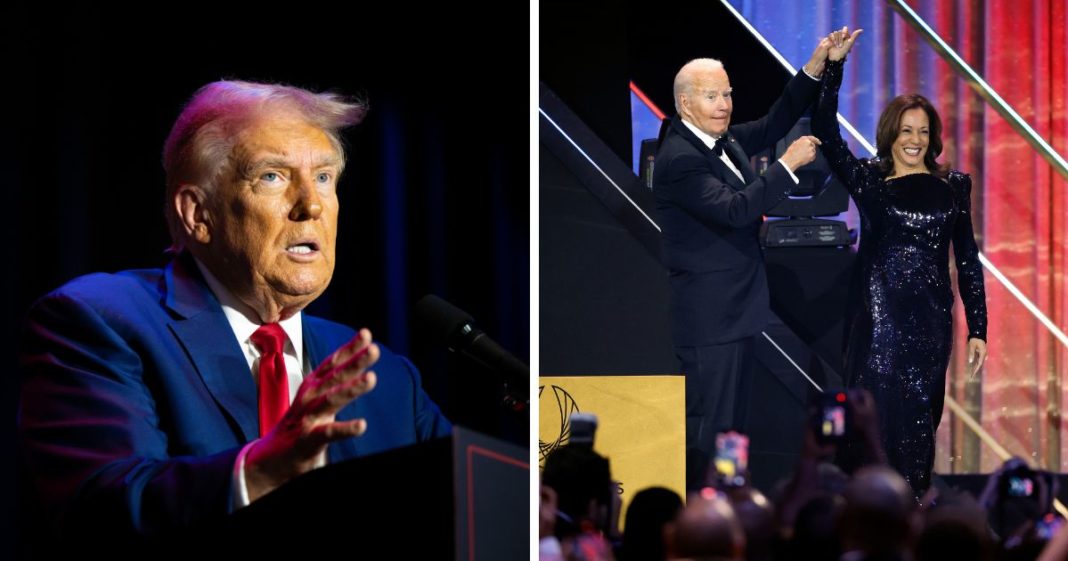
(155, 401)
(709, 204)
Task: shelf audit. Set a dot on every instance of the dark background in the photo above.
(604, 298)
(590, 51)
(434, 198)
(598, 284)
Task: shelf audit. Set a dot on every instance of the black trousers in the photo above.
(718, 386)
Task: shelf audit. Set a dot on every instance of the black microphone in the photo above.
(456, 329)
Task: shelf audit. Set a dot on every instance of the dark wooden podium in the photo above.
(465, 498)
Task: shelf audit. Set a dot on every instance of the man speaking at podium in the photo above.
(710, 203)
(155, 401)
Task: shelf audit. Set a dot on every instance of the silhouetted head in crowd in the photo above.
(878, 518)
(955, 531)
(706, 529)
(832, 479)
(649, 511)
(583, 482)
(815, 532)
(757, 517)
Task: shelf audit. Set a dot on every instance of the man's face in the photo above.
(708, 104)
(274, 215)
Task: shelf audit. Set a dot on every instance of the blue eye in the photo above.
(270, 176)
(323, 178)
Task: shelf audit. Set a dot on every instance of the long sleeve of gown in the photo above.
(969, 269)
(853, 173)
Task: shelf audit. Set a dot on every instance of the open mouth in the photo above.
(303, 248)
(911, 151)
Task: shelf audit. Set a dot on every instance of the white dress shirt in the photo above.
(710, 141)
(244, 322)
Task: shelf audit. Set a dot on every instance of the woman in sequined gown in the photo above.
(912, 209)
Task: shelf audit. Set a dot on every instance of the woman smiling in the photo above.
(912, 209)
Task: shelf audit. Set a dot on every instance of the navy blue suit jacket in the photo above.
(136, 399)
(710, 222)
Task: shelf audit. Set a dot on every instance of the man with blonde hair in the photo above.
(156, 401)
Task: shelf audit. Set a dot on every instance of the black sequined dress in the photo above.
(901, 333)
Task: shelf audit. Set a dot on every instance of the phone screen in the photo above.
(1048, 526)
(732, 457)
(834, 421)
(1021, 486)
(829, 416)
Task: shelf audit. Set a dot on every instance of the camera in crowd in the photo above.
(583, 429)
(1019, 502)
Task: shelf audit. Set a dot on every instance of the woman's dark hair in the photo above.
(890, 127)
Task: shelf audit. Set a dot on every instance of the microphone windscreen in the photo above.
(440, 319)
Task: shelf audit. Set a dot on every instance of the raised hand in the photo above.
(296, 443)
(814, 66)
(841, 42)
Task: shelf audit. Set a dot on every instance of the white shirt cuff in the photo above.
(240, 498)
(240, 495)
(790, 171)
(807, 74)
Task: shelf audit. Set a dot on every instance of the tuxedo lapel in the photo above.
(205, 334)
(740, 159)
(723, 172)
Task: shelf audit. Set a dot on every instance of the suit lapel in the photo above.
(725, 174)
(741, 161)
(318, 349)
(205, 334)
(315, 348)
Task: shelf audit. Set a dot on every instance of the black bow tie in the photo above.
(721, 142)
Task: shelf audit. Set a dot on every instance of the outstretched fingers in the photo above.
(348, 362)
(326, 433)
(336, 397)
(356, 345)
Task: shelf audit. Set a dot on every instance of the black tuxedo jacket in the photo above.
(710, 222)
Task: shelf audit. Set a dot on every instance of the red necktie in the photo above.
(270, 339)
